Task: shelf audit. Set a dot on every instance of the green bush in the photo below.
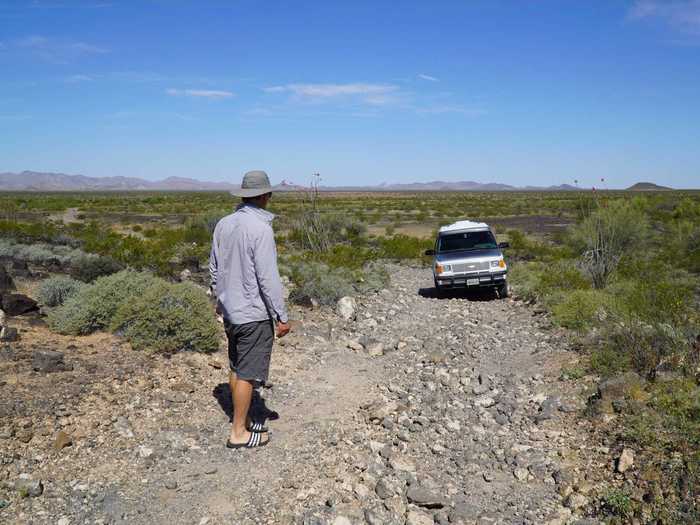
(606, 235)
(580, 309)
(89, 268)
(93, 306)
(403, 247)
(561, 275)
(168, 318)
(617, 503)
(320, 283)
(54, 291)
(642, 346)
(374, 277)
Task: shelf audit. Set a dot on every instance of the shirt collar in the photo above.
(247, 207)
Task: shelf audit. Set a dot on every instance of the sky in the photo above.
(521, 92)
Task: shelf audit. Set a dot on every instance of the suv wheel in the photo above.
(502, 290)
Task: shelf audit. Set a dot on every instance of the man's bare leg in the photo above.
(232, 380)
(242, 394)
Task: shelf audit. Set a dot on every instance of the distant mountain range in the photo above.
(37, 181)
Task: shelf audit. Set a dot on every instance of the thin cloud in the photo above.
(682, 15)
(357, 92)
(213, 94)
(332, 90)
(75, 79)
(428, 77)
(54, 50)
(445, 109)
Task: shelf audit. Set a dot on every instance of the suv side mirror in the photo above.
(503, 245)
(430, 252)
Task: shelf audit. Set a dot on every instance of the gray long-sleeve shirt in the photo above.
(243, 267)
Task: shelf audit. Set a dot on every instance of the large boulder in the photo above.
(346, 307)
(6, 282)
(48, 361)
(613, 392)
(18, 304)
(20, 268)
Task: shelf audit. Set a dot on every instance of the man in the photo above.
(246, 282)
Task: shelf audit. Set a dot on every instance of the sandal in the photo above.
(257, 427)
(253, 441)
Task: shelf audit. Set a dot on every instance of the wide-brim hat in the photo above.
(254, 183)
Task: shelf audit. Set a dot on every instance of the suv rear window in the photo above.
(466, 241)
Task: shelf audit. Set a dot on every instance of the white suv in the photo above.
(466, 254)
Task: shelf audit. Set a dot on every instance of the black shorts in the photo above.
(249, 349)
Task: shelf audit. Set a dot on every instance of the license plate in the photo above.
(472, 282)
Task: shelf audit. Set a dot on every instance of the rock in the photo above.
(402, 465)
(424, 497)
(383, 489)
(484, 402)
(355, 345)
(625, 461)
(18, 304)
(8, 334)
(185, 275)
(48, 361)
(520, 474)
(378, 411)
(615, 390)
(63, 521)
(341, 520)
(6, 282)
(346, 308)
(28, 487)
(576, 501)
(547, 409)
(375, 349)
(20, 268)
(62, 441)
(464, 514)
(145, 452)
(24, 435)
(171, 484)
(414, 517)
(121, 425)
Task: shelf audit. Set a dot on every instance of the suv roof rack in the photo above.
(464, 225)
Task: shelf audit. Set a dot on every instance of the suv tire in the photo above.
(502, 290)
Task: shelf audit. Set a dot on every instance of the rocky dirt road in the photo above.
(418, 410)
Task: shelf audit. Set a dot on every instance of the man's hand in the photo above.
(283, 329)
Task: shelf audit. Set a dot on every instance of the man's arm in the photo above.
(265, 261)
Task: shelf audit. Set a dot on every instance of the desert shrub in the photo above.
(168, 318)
(40, 253)
(524, 277)
(605, 236)
(93, 306)
(89, 268)
(317, 282)
(580, 309)
(561, 275)
(617, 503)
(642, 346)
(55, 290)
(373, 278)
(345, 256)
(403, 247)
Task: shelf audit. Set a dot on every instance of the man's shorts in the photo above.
(249, 349)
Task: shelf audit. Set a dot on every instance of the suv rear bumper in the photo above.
(468, 280)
